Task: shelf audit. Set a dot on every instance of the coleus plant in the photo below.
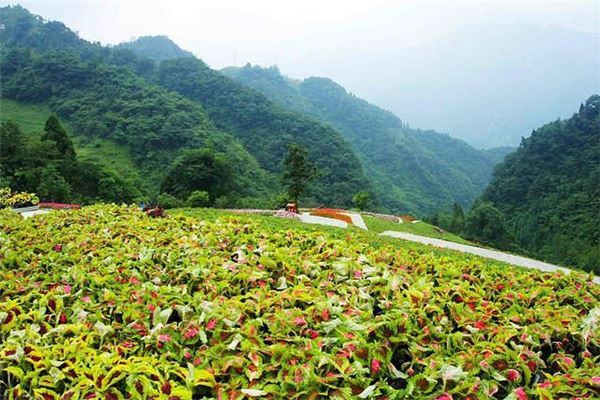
(107, 303)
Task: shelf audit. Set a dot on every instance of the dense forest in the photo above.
(549, 190)
(413, 170)
(114, 93)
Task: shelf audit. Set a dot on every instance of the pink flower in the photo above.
(513, 375)
(520, 393)
(445, 396)
(595, 380)
(86, 299)
(164, 338)
(569, 361)
(191, 333)
(67, 289)
(299, 321)
(375, 366)
(211, 324)
(358, 274)
(58, 247)
(545, 385)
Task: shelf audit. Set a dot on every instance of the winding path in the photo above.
(493, 254)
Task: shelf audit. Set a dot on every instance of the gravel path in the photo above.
(494, 254)
(27, 214)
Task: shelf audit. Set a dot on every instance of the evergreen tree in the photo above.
(53, 131)
(298, 171)
(457, 222)
(486, 224)
(53, 186)
(12, 150)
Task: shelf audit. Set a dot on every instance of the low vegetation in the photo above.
(203, 304)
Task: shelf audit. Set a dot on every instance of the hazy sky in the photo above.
(299, 35)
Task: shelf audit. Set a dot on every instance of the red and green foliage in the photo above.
(60, 206)
(106, 303)
(331, 213)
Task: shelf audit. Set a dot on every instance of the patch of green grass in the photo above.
(419, 228)
(30, 117)
(108, 154)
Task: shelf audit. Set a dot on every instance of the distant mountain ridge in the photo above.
(488, 84)
(412, 169)
(157, 48)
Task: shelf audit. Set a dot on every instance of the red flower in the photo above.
(312, 333)
(520, 393)
(62, 319)
(445, 396)
(480, 325)
(58, 247)
(191, 333)
(325, 315)
(211, 324)
(375, 366)
(545, 385)
(187, 355)
(513, 375)
(499, 287)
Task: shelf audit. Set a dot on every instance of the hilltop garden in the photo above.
(108, 303)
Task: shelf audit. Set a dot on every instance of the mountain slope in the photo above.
(414, 171)
(46, 63)
(549, 190)
(116, 94)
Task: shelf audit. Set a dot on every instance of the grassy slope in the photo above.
(372, 237)
(105, 152)
(420, 228)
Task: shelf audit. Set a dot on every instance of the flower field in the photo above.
(108, 303)
(331, 213)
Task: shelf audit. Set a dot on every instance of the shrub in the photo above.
(165, 200)
(198, 198)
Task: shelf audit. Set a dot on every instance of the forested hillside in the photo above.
(157, 48)
(413, 170)
(549, 190)
(116, 94)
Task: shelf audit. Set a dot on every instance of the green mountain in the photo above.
(118, 95)
(157, 48)
(549, 190)
(413, 170)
